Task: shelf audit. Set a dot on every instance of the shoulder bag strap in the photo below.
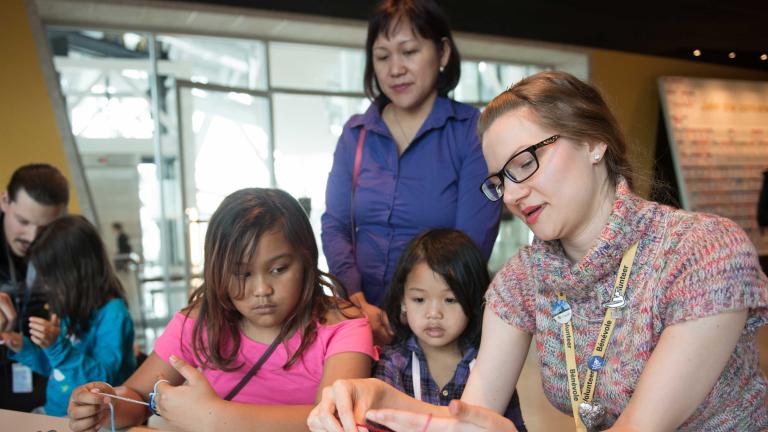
(355, 174)
(253, 370)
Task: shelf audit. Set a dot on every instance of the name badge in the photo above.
(22, 378)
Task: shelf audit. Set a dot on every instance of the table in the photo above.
(17, 421)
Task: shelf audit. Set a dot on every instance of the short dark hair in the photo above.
(454, 256)
(73, 265)
(43, 183)
(429, 22)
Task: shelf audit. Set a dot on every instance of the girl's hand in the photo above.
(44, 332)
(87, 410)
(12, 340)
(464, 418)
(344, 405)
(191, 405)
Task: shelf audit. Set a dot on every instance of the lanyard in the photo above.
(584, 394)
(416, 374)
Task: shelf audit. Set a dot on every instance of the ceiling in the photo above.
(663, 28)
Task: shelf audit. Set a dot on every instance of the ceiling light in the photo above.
(696, 53)
(732, 55)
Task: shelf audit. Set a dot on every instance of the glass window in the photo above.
(332, 68)
(304, 155)
(210, 60)
(481, 81)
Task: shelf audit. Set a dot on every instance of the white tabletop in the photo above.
(17, 421)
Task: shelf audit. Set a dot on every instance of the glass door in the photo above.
(226, 146)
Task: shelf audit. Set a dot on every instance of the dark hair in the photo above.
(233, 233)
(73, 266)
(428, 21)
(455, 257)
(42, 182)
(117, 225)
(570, 107)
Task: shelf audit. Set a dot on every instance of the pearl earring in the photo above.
(442, 68)
(597, 157)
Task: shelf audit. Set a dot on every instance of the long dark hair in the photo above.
(73, 266)
(429, 22)
(233, 233)
(454, 256)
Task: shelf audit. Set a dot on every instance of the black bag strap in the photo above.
(253, 370)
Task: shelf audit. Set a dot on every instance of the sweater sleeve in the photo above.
(713, 269)
(512, 296)
(113, 336)
(32, 356)
(336, 221)
(476, 215)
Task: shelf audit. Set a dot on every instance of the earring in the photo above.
(597, 157)
(442, 68)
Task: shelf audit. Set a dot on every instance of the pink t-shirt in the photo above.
(272, 385)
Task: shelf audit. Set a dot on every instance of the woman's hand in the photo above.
(88, 411)
(377, 318)
(44, 332)
(190, 406)
(345, 403)
(464, 418)
(12, 340)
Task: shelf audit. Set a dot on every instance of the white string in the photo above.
(112, 415)
(123, 398)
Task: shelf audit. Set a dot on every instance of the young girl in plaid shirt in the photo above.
(435, 307)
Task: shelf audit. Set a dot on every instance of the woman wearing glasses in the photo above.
(411, 162)
(644, 316)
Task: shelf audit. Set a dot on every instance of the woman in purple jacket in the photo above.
(414, 155)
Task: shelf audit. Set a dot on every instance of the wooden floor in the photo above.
(540, 416)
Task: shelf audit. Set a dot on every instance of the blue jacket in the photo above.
(103, 353)
(435, 183)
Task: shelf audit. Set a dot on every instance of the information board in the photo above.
(718, 137)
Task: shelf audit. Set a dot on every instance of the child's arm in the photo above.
(196, 407)
(112, 335)
(22, 350)
(87, 409)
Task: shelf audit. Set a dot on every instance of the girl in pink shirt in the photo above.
(263, 301)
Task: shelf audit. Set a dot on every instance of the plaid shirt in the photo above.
(394, 368)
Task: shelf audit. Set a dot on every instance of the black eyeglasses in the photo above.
(519, 168)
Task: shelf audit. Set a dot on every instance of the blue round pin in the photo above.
(596, 363)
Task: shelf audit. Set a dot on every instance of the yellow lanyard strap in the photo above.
(576, 394)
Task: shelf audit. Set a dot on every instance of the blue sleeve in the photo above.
(477, 216)
(336, 221)
(112, 336)
(32, 356)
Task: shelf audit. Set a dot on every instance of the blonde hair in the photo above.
(570, 107)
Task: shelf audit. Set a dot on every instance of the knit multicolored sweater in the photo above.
(688, 266)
